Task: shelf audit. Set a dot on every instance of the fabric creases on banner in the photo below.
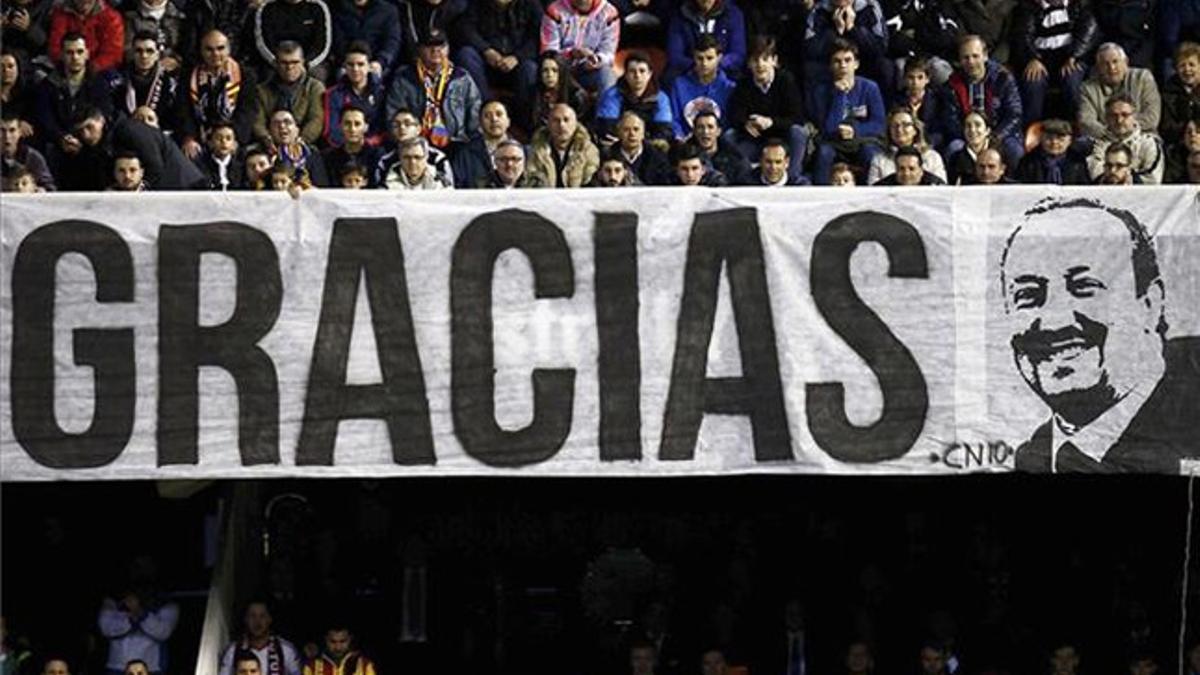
(605, 332)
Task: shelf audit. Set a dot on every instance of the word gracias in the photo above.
(369, 250)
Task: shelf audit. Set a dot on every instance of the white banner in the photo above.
(600, 332)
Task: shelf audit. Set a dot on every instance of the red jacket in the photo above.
(103, 30)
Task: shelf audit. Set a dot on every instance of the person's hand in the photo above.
(295, 190)
(592, 62)
(19, 20)
(848, 17)
(26, 129)
(752, 128)
(1070, 67)
(641, 4)
(70, 144)
(845, 132)
(191, 148)
(170, 63)
(764, 122)
(1035, 71)
(133, 605)
(508, 63)
(492, 57)
(377, 68)
(839, 21)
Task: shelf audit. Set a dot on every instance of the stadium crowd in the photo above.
(439, 94)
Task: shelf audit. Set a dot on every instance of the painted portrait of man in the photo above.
(1084, 305)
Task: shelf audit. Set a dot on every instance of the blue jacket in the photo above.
(689, 97)
(655, 112)
(378, 24)
(342, 95)
(861, 108)
(1001, 97)
(725, 23)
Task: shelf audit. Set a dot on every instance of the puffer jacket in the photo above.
(103, 31)
(565, 30)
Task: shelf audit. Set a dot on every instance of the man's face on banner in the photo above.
(1080, 333)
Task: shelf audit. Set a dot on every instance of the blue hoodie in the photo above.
(689, 97)
(724, 22)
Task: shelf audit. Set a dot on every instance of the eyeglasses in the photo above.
(1115, 165)
(509, 160)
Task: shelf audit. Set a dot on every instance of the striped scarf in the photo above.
(214, 95)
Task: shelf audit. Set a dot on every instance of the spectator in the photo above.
(614, 171)
(294, 90)
(138, 623)
(1112, 75)
(772, 168)
(904, 131)
(712, 661)
(278, 655)
(354, 147)
(909, 169)
(647, 162)
(144, 82)
(339, 657)
(643, 658)
(720, 155)
(923, 29)
(232, 18)
(361, 88)
(508, 160)
(16, 154)
(164, 22)
(1130, 24)
(16, 97)
(694, 19)
(849, 113)
(705, 87)
(444, 95)
(1054, 44)
(767, 104)
(219, 90)
(405, 126)
(991, 20)
(257, 174)
(556, 84)
(981, 85)
(371, 28)
(414, 171)
(353, 176)
(859, 660)
(1121, 126)
(472, 161)
(70, 87)
(307, 23)
(859, 22)
(1117, 168)
(977, 137)
(637, 92)
(419, 18)
(291, 150)
(562, 154)
(128, 176)
(586, 34)
(1181, 94)
(223, 168)
(100, 25)
(24, 24)
(842, 176)
(922, 100)
(501, 45)
(1179, 152)
(1054, 161)
(691, 169)
(1178, 21)
(165, 169)
(281, 178)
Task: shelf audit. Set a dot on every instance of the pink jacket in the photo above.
(564, 30)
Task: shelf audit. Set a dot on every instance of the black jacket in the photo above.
(307, 22)
(165, 165)
(511, 30)
(235, 173)
(166, 104)
(56, 105)
(652, 166)
(1033, 169)
(418, 16)
(1178, 108)
(1131, 24)
(190, 124)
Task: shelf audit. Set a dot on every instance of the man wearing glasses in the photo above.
(1121, 126)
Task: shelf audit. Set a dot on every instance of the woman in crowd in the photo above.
(903, 130)
(977, 134)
